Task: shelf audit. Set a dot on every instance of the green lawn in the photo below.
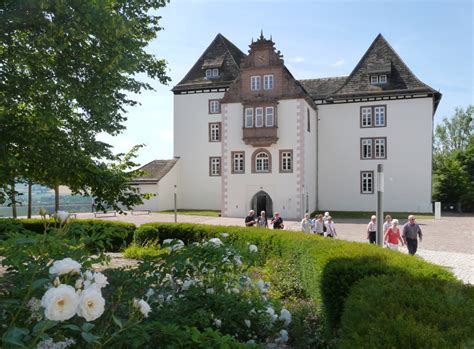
(367, 214)
(209, 213)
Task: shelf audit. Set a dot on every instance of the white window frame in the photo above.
(268, 82)
(383, 79)
(208, 73)
(380, 148)
(214, 106)
(259, 117)
(286, 161)
(379, 116)
(367, 182)
(374, 79)
(262, 162)
(248, 117)
(269, 112)
(366, 116)
(215, 132)
(215, 72)
(215, 166)
(255, 82)
(238, 162)
(366, 143)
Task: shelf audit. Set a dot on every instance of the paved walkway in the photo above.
(448, 242)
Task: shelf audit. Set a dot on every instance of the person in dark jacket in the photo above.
(411, 233)
(277, 221)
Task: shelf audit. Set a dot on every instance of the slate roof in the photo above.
(322, 88)
(381, 58)
(221, 54)
(154, 171)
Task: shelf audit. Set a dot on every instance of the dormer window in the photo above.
(212, 73)
(378, 79)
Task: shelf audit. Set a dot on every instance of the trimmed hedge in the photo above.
(408, 312)
(329, 269)
(109, 235)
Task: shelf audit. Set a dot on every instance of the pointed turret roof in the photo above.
(381, 58)
(221, 54)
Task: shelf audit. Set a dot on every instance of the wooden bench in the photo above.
(105, 214)
(140, 212)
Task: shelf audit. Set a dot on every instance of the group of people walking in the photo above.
(262, 220)
(322, 225)
(411, 232)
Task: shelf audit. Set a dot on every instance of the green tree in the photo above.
(454, 133)
(453, 160)
(68, 69)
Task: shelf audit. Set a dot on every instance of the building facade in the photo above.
(248, 135)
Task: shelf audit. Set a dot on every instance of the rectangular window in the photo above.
(270, 118)
(379, 113)
(248, 117)
(374, 79)
(379, 148)
(367, 182)
(259, 117)
(373, 148)
(214, 106)
(214, 132)
(268, 82)
(366, 151)
(208, 73)
(255, 83)
(383, 79)
(286, 160)
(375, 116)
(215, 166)
(215, 72)
(366, 117)
(238, 162)
(308, 126)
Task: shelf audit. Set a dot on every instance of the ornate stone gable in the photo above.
(263, 59)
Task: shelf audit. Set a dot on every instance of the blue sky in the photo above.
(317, 39)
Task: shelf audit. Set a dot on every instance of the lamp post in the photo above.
(175, 203)
(380, 188)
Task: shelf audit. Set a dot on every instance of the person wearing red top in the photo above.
(392, 236)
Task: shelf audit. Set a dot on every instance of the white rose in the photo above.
(142, 306)
(150, 293)
(224, 235)
(285, 316)
(216, 241)
(88, 275)
(253, 248)
(187, 284)
(63, 216)
(78, 284)
(218, 323)
(247, 323)
(91, 304)
(100, 280)
(210, 291)
(65, 266)
(283, 338)
(235, 290)
(60, 303)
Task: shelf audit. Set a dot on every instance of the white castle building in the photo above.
(248, 135)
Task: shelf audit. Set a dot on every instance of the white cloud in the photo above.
(338, 63)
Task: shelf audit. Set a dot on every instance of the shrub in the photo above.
(404, 311)
(341, 273)
(97, 234)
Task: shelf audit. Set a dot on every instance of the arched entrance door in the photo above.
(261, 201)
